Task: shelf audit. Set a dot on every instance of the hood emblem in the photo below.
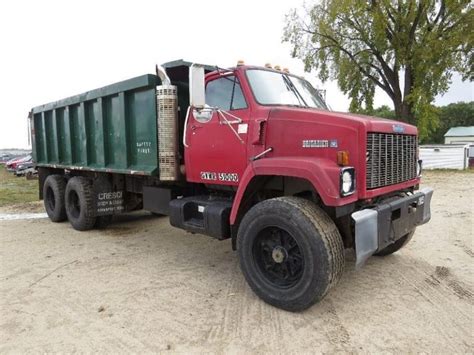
(398, 128)
(319, 143)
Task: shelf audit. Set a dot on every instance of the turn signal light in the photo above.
(343, 158)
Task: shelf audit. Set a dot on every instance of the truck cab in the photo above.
(266, 133)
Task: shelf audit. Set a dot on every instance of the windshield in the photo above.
(273, 88)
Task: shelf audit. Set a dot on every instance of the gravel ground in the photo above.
(141, 285)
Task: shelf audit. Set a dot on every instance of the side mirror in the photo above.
(197, 93)
(203, 115)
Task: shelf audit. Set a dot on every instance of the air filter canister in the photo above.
(167, 106)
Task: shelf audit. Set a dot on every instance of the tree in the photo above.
(453, 115)
(407, 48)
(384, 111)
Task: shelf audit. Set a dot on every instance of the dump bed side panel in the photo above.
(112, 129)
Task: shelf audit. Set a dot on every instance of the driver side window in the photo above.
(225, 93)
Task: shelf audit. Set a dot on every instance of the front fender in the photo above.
(322, 173)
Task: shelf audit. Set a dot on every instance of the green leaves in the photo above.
(452, 115)
(407, 48)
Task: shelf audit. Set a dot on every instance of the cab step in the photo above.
(202, 214)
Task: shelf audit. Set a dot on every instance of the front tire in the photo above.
(53, 198)
(394, 247)
(80, 203)
(290, 251)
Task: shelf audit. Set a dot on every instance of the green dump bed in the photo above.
(112, 129)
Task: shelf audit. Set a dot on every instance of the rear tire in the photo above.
(290, 251)
(80, 203)
(394, 247)
(53, 198)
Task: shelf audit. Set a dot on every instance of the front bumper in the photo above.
(378, 227)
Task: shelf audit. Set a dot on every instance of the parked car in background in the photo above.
(26, 168)
(6, 157)
(9, 162)
(12, 164)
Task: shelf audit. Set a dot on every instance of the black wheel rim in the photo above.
(278, 257)
(50, 200)
(74, 205)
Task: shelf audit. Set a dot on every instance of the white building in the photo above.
(459, 135)
(445, 156)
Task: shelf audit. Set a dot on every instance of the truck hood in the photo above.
(349, 120)
(311, 133)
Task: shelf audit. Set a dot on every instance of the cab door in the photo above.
(216, 140)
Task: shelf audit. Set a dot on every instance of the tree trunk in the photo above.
(404, 111)
(407, 113)
(406, 107)
(397, 104)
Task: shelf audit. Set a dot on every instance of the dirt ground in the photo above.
(143, 286)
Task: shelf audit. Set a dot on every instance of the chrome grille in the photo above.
(391, 159)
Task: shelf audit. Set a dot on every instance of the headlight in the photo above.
(418, 168)
(347, 181)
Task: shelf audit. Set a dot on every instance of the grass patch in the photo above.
(15, 190)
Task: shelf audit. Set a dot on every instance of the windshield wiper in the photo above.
(293, 88)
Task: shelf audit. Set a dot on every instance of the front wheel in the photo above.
(394, 247)
(290, 251)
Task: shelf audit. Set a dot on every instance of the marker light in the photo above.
(268, 65)
(286, 70)
(343, 158)
(240, 62)
(277, 67)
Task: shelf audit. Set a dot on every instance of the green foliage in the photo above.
(460, 114)
(383, 111)
(407, 48)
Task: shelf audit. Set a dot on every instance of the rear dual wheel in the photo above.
(290, 251)
(53, 197)
(80, 203)
(73, 201)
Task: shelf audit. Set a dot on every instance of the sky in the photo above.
(54, 49)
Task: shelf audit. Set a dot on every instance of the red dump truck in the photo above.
(248, 153)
